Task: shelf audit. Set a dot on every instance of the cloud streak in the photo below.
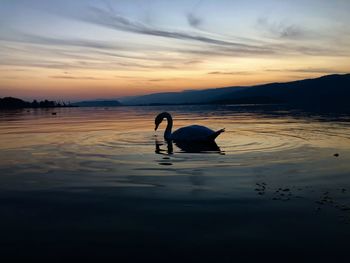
(214, 45)
(281, 29)
(309, 70)
(118, 22)
(75, 78)
(230, 73)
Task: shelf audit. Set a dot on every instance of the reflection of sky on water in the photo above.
(95, 176)
(101, 146)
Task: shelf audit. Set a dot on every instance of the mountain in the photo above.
(97, 103)
(327, 91)
(184, 97)
(324, 92)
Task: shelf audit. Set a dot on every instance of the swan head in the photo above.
(160, 117)
(158, 120)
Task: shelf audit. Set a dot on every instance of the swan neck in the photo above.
(167, 133)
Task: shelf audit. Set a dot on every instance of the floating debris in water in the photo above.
(261, 188)
(327, 199)
(345, 208)
(336, 155)
(165, 163)
(283, 194)
(53, 113)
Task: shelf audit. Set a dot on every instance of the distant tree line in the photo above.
(15, 103)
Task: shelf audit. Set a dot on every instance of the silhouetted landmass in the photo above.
(330, 92)
(15, 103)
(97, 103)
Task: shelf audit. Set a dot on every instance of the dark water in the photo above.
(98, 184)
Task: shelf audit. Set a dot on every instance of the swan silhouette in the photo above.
(189, 134)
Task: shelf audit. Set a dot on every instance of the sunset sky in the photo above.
(85, 49)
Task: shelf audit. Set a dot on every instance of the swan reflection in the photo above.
(187, 147)
(159, 150)
(199, 147)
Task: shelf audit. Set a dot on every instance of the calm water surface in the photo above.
(101, 182)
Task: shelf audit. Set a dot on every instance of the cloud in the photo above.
(67, 53)
(86, 54)
(309, 70)
(215, 45)
(194, 20)
(116, 21)
(50, 41)
(65, 58)
(77, 78)
(230, 73)
(29, 50)
(280, 29)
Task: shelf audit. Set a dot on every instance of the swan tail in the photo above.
(216, 134)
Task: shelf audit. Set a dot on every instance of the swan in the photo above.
(193, 133)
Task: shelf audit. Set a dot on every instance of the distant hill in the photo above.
(10, 102)
(15, 103)
(324, 92)
(332, 91)
(184, 97)
(97, 103)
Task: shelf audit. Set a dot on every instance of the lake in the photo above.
(100, 183)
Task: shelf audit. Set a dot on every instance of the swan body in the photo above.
(193, 133)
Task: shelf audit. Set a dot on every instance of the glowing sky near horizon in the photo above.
(85, 49)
